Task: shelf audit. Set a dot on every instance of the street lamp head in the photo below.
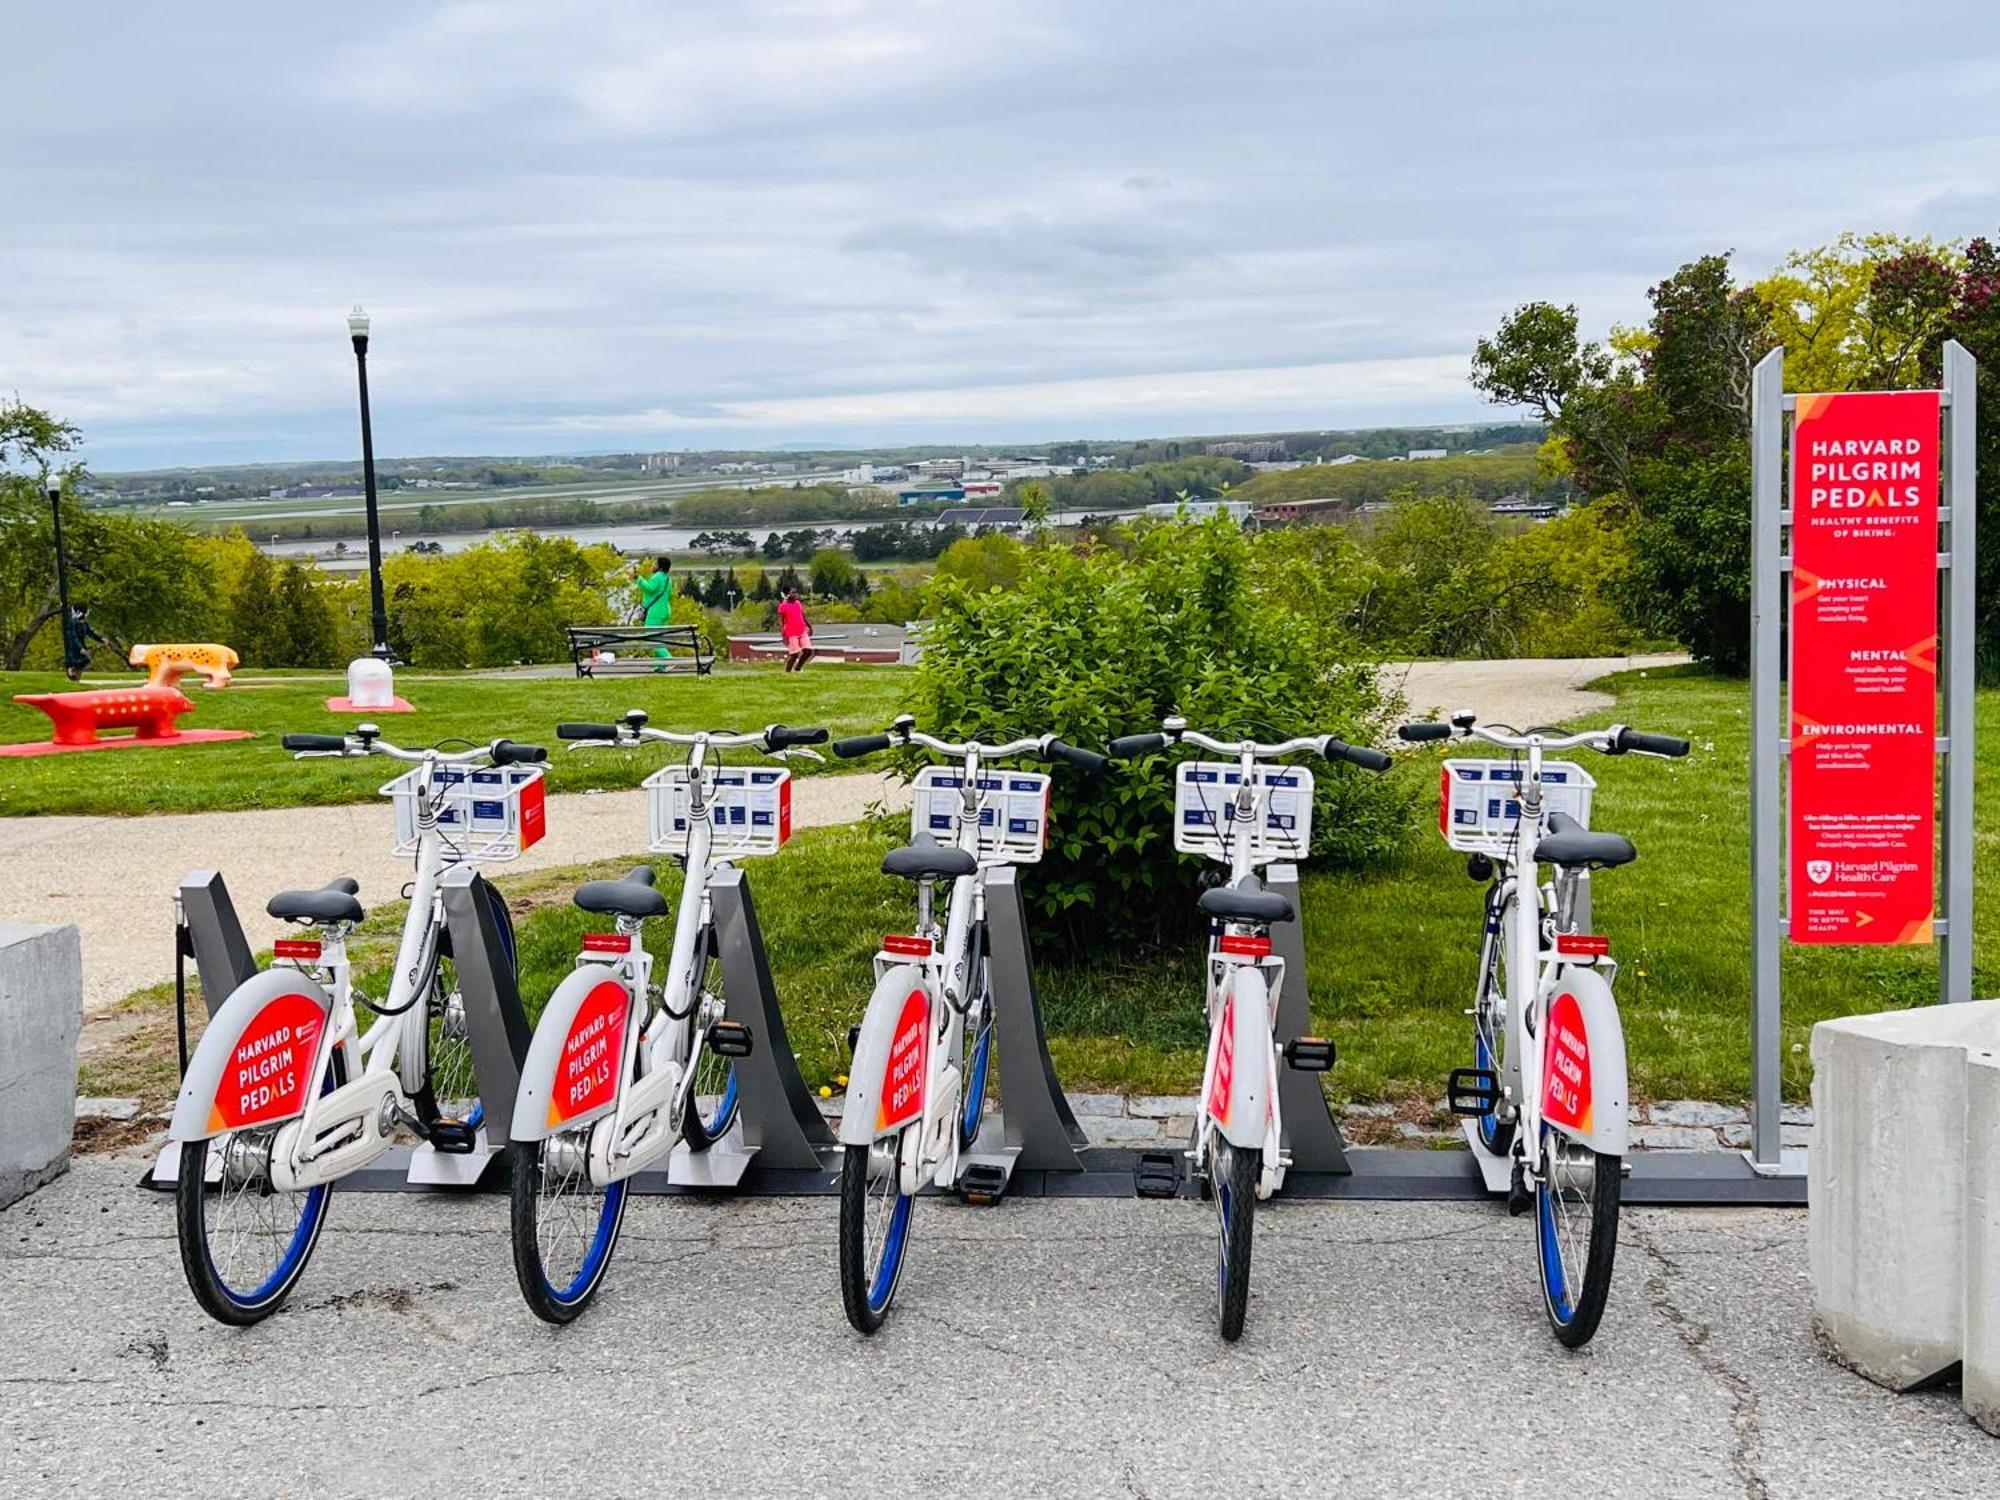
(357, 323)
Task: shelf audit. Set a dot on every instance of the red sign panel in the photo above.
(1566, 1070)
(587, 1070)
(1864, 666)
(268, 1073)
(903, 1076)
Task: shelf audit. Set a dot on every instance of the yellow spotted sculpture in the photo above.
(166, 665)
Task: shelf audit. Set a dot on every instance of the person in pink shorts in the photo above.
(796, 629)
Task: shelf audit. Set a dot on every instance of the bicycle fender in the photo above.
(1583, 1065)
(570, 1076)
(254, 1063)
(1240, 1089)
(885, 1087)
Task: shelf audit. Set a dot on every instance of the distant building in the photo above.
(1302, 512)
(1255, 451)
(982, 489)
(1346, 458)
(661, 463)
(940, 468)
(1427, 453)
(985, 518)
(1200, 510)
(930, 494)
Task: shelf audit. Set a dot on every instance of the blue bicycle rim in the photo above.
(1482, 1059)
(725, 1108)
(975, 1087)
(891, 1263)
(600, 1248)
(302, 1237)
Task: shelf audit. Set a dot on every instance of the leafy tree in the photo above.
(833, 574)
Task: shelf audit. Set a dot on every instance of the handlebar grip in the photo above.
(1419, 733)
(1087, 761)
(1650, 744)
(861, 744)
(586, 731)
(514, 753)
(334, 742)
(1129, 746)
(778, 737)
(1364, 756)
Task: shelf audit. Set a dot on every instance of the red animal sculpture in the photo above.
(149, 710)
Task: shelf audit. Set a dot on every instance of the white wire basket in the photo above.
(1013, 812)
(485, 814)
(749, 810)
(1205, 810)
(1479, 801)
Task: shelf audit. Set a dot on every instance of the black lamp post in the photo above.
(357, 327)
(62, 562)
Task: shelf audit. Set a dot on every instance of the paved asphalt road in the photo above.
(1052, 1347)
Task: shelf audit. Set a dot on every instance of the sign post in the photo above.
(1845, 669)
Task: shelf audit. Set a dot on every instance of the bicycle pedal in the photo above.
(1310, 1054)
(1519, 1198)
(983, 1182)
(1157, 1174)
(1472, 1091)
(453, 1137)
(729, 1039)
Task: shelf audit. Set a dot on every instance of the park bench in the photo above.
(627, 650)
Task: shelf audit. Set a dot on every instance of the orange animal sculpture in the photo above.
(149, 710)
(166, 665)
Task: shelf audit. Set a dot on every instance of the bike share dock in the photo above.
(781, 1144)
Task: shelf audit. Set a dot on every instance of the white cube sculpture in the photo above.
(1887, 1187)
(370, 683)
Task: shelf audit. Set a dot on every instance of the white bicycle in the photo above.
(923, 1051)
(1547, 1087)
(1245, 814)
(285, 1094)
(620, 1071)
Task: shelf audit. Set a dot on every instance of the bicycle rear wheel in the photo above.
(1233, 1171)
(564, 1225)
(243, 1243)
(1576, 1234)
(874, 1234)
(712, 1107)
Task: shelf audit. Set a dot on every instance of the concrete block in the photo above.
(1118, 1130)
(1698, 1112)
(1096, 1104)
(1886, 1187)
(1159, 1106)
(41, 1012)
(1981, 1384)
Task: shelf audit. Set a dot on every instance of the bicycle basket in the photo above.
(749, 810)
(1205, 810)
(1479, 807)
(487, 814)
(1013, 812)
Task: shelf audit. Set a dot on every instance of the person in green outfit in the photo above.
(656, 597)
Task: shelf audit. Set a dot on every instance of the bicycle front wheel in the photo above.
(1489, 1033)
(564, 1225)
(712, 1107)
(874, 1234)
(977, 1063)
(1233, 1172)
(1576, 1234)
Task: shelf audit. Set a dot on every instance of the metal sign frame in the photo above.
(1770, 609)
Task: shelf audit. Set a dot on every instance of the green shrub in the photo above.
(1093, 643)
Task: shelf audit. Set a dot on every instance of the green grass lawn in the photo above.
(1390, 953)
(238, 774)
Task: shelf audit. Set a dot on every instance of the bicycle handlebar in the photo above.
(1331, 747)
(366, 740)
(320, 744)
(905, 732)
(1619, 739)
(771, 739)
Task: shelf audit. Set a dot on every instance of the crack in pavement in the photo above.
(1746, 1429)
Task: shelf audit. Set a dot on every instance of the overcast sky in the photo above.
(586, 226)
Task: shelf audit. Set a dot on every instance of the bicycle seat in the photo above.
(630, 896)
(1569, 843)
(332, 902)
(926, 859)
(1248, 902)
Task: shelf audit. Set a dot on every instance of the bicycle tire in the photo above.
(1489, 1041)
(1234, 1172)
(239, 1307)
(554, 1298)
(697, 1130)
(1575, 1311)
(868, 1284)
(978, 1062)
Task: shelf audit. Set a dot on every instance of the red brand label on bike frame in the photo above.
(267, 1076)
(587, 1069)
(1225, 1061)
(534, 813)
(1566, 1066)
(903, 1079)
